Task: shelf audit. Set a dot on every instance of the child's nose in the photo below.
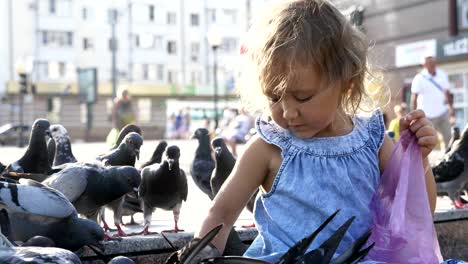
(289, 109)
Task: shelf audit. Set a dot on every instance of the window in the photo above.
(171, 18)
(87, 44)
(61, 69)
(158, 42)
(137, 71)
(137, 40)
(195, 77)
(52, 7)
(84, 13)
(171, 47)
(194, 51)
(57, 38)
(144, 110)
(171, 76)
(151, 12)
(145, 71)
(152, 72)
(211, 14)
(230, 16)
(229, 44)
(42, 69)
(160, 72)
(194, 20)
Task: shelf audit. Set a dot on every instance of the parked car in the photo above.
(9, 133)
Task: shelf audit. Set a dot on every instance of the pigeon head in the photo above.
(40, 129)
(58, 132)
(83, 232)
(126, 130)
(128, 178)
(133, 141)
(218, 145)
(201, 133)
(172, 155)
(121, 260)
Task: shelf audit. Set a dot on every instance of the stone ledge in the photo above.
(155, 244)
(450, 215)
(451, 227)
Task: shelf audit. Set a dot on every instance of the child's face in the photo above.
(308, 110)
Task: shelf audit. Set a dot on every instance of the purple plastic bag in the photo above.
(403, 229)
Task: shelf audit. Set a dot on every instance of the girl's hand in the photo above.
(422, 127)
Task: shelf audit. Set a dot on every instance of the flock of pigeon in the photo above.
(52, 204)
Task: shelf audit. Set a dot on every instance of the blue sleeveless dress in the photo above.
(318, 176)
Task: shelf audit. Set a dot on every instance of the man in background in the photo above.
(430, 92)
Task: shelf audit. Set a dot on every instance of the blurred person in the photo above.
(430, 92)
(178, 124)
(122, 115)
(186, 120)
(170, 127)
(237, 130)
(400, 111)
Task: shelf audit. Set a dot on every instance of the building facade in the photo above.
(402, 32)
(161, 51)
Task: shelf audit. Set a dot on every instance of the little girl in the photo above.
(315, 155)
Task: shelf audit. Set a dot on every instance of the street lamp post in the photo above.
(23, 69)
(214, 39)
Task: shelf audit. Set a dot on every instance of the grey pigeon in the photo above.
(37, 210)
(35, 159)
(89, 186)
(63, 153)
(50, 255)
(450, 174)
(131, 203)
(124, 132)
(163, 186)
(121, 260)
(203, 164)
(39, 241)
(127, 152)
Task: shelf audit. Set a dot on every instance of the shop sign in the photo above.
(413, 53)
(453, 48)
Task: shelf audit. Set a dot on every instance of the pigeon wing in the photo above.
(33, 197)
(71, 181)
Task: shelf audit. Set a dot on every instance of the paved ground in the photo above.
(193, 211)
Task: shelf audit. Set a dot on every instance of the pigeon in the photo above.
(124, 132)
(39, 241)
(63, 152)
(295, 255)
(203, 163)
(163, 186)
(37, 210)
(121, 260)
(35, 159)
(157, 154)
(131, 203)
(49, 255)
(127, 152)
(89, 186)
(225, 162)
(450, 174)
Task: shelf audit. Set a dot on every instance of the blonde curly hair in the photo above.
(310, 34)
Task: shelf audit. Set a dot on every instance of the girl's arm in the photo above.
(248, 174)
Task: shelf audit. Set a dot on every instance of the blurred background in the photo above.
(67, 59)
